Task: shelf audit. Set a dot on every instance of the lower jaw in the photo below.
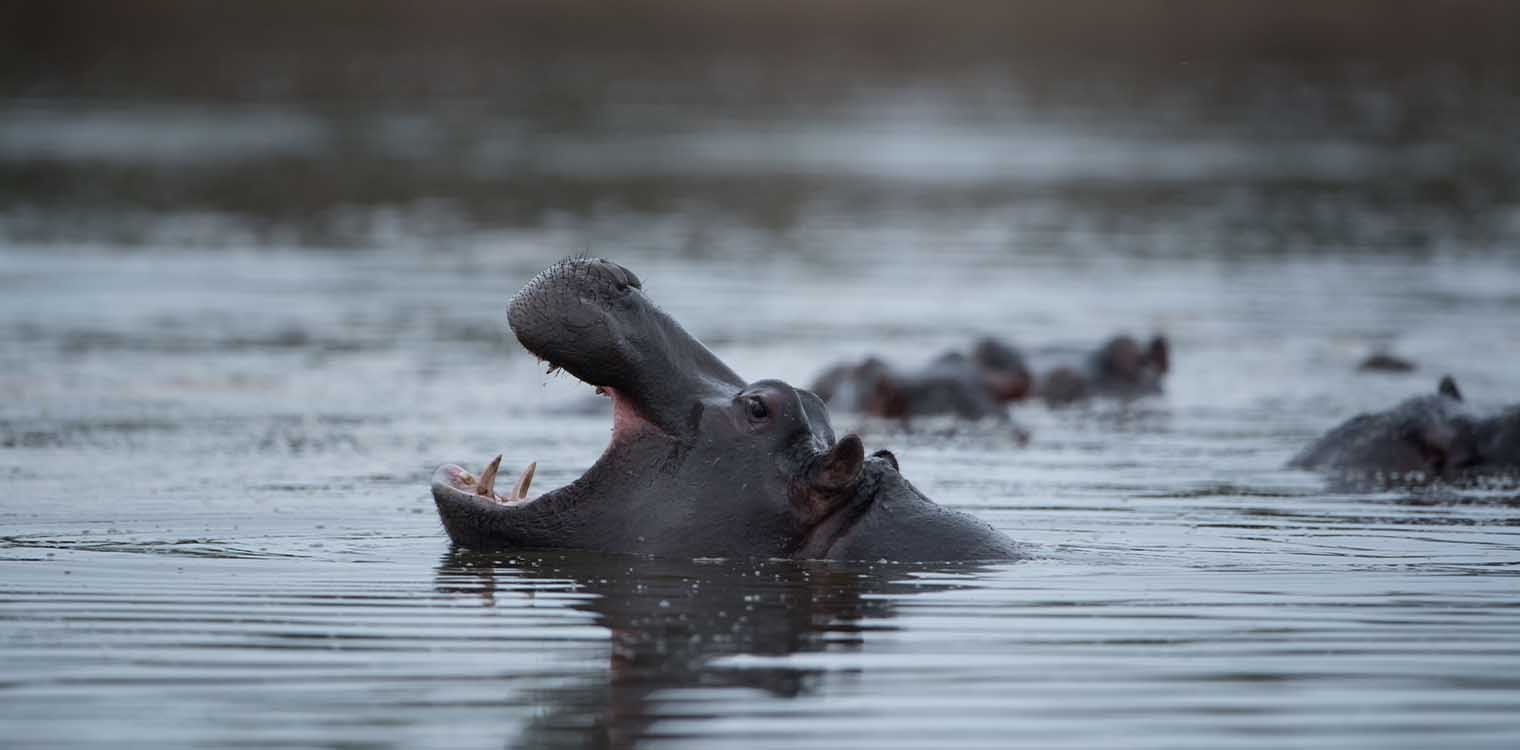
(627, 424)
(484, 485)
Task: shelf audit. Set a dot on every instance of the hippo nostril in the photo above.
(624, 277)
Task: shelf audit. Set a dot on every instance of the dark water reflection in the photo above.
(670, 621)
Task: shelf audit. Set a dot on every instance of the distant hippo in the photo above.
(1434, 437)
(702, 463)
(1119, 369)
(1003, 370)
(1499, 443)
(857, 387)
(1385, 362)
(950, 385)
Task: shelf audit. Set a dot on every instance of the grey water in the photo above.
(234, 343)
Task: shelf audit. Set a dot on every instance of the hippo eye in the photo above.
(757, 408)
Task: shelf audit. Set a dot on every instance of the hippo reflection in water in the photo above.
(701, 463)
(674, 624)
(1434, 437)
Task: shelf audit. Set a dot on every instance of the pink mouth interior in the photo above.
(626, 421)
(626, 424)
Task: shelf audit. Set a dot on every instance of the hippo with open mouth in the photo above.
(701, 462)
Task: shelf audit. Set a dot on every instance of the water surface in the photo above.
(217, 427)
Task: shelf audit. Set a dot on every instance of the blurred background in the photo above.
(1367, 124)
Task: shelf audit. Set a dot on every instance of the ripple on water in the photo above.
(215, 527)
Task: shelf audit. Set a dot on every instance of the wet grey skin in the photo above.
(1499, 443)
(1424, 438)
(701, 462)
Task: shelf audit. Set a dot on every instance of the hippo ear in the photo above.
(887, 456)
(1448, 388)
(1159, 354)
(841, 466)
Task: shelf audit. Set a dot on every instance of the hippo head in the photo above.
(951, 384)
(1434, 435)
(1499, 443)
(1003, 369)
(1425, 437)
(869, 387)
(701, 463)
(1123, 365)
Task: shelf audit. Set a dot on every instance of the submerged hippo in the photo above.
(980, 385)
(1499, 443)
(1424, 438)
(1385, 362)
(1119, 369)
(1003, 370)
(950, 385)
(701, 462)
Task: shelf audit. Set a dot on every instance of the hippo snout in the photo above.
(566, 299)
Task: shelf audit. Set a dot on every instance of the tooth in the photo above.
(520, 492)
(553, 368)
(487, 483)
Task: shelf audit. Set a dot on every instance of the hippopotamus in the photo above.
(701, 463)
(1385, 362)
(1119, 369)
(995, 374)
(860, 387)
(952, 384)
(1499, 442)
(949, 385)
(1433, 437)
(1003, 370)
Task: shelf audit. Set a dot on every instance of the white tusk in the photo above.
(520, 492)
(488, 478)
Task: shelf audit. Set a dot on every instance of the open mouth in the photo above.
(590, 318)
(484, 486)
(488, 484)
